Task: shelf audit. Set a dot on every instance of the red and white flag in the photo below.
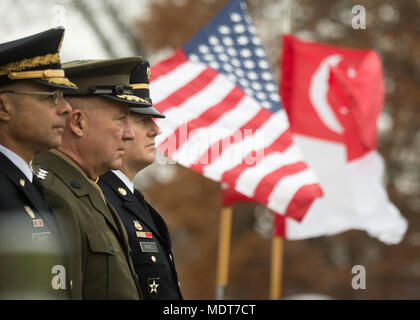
(333, 97)
(224, 118)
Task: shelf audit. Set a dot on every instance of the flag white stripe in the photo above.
(287, 187)
(234, 153)
(249, 179)
(164, 86)
(200, 140)
(194, 106)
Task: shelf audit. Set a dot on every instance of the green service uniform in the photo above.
(100, 265)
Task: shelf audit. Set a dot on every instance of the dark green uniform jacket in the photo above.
(100, 265)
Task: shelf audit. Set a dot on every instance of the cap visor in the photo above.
(129, 101)
(150, 111)
(70, 86)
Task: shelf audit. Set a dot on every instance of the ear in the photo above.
(78, 122)
(5, 107)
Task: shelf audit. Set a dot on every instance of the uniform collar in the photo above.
(18, 162)
(129, 184)
(73, 163)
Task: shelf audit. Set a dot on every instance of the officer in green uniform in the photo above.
(94, 142)
(33, 256)
(148, 233)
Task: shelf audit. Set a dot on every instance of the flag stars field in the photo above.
(232, 52)
(227, 41)
(235, 17)
(239, 28)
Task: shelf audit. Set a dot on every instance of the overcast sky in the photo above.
(20, 18)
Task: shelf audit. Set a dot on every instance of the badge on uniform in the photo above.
(38, 223)
(148, 246)
(42, 174)
(122, 191)
(153, 285)
(137, 225)
(147, 235)
(29, 211)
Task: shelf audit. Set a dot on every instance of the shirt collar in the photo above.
(129, 184)
(18, 162)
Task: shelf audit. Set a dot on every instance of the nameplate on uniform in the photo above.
(41, 237)
(148, 246)
(141, 234)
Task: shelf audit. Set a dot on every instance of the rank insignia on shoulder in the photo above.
(144, 234)
(42, 174)
(29, 211)
(153, 286)
(38, 223)
(137, 225)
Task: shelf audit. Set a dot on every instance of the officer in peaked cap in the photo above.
(94, 141)
(34, 58)
(139, 82)
(32, 119)
(147, 231)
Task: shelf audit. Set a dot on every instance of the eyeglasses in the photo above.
(55, 95)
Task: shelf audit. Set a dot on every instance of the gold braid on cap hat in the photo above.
(139, 86)
(64, 81)
(56, 76)
(30, 63)
(49, 73)
(131, 98)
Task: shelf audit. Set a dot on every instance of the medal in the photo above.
(137, 225)
(38, 223)
(147, 235)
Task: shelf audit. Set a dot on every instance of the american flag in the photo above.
(224, 118)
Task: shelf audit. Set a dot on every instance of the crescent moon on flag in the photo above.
(318, 91)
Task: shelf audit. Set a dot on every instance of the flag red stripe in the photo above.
(283, 142)
(230, 196)
(278, 145)
(302, 200)
(167, 66)
(279, 227)
(254, 123)
(188, 90)
(211, 115)
(268, 183)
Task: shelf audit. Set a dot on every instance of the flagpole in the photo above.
(223, 251)
(276, 267)
(287, 16)
(277, 242)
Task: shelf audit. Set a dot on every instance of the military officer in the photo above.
(94, 142)
(32, 118)
(147, 232)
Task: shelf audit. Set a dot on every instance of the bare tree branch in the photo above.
(87, 13)
(134, 43)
